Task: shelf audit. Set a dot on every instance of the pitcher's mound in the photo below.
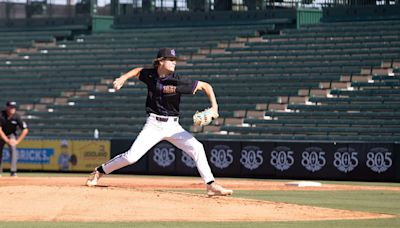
(139, 199)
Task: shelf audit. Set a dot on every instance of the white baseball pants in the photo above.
(156, 129)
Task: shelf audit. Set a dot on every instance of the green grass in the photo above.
(377, 201)
(362, 183)
(386, 202)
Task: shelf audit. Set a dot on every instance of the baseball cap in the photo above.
(11, 104)
(167, 53)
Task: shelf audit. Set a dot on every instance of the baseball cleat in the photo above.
(93, 178)
(13, 174)
(217, 190)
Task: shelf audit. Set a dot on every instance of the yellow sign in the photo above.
(90, 154)
(61, 155)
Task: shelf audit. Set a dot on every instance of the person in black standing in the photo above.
(10, 121)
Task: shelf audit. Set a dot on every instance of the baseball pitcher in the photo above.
(164, 90)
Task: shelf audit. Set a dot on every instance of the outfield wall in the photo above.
(282, 160)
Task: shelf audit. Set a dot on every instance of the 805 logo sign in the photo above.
(221, 156)
(379, 159)
(282, 158)
(345, 159)
(164, 154)
(251, 157)
(187, 160)
(313, 159)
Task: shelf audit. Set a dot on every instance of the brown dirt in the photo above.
(155, 199)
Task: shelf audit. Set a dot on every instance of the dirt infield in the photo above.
(154, 199)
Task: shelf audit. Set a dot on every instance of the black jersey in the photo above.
(9, 126)
(164, 94)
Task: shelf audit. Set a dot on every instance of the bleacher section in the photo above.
(329, 82)
(13, 41)
(16, 47)
(356, 98)
(64, 88)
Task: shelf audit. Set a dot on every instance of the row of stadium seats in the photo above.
(316, 83)
(11, 41)
(348, 108)
(65, 75)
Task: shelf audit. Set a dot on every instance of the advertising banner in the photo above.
(162, 158)
(255, 160)
(88, 154)
(283, 160)
(224, 157)
(59, 155)
(165, 158)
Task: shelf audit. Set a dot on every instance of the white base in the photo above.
(304, 184)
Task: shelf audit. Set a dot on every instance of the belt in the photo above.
(165, 118)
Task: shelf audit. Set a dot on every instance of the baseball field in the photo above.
(62, 200)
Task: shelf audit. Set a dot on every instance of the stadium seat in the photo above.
(320, 82)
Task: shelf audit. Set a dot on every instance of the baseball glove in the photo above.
(204, 117)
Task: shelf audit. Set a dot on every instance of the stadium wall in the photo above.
(283, 160)
(288, 17)
(270, 160)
